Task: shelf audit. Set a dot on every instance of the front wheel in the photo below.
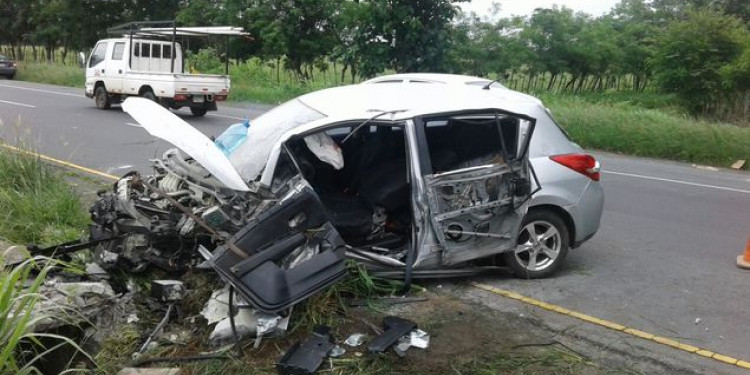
(198, 111)
(542, 245)
(102, 98)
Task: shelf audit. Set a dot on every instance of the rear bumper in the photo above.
(7, 71)
(587, 213)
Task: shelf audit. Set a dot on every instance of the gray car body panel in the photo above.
(581, 198)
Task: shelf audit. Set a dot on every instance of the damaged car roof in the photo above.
(360, 102)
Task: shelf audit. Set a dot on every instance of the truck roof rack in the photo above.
(169, 30)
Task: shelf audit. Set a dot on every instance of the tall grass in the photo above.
(19, 313)
(652, 133)
(37, 205)
(54, 74)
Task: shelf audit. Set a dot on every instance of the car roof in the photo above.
(450, 79)
(428, 77)
(365, 101)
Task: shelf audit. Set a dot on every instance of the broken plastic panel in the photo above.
(260, 278)
(394, 329)
(304, 358)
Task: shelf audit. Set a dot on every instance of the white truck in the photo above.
(153, 68)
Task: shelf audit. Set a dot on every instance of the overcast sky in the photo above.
(526, 7)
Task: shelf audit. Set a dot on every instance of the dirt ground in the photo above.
(464, 339)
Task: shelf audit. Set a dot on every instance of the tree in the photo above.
(701, 59)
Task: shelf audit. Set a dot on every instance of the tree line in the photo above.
(698, 49)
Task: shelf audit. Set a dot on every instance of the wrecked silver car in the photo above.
(411, 181)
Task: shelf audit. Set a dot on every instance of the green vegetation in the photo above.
(634, 130)
(54, 74)
(20, 347)
(37, 205)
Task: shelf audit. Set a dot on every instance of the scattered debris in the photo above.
(167, 290)
(738, 164)
(158, 329)
(698, 320)
(85, 299)
(96, 272)
(355, 339)
(337, 351)
(13, 255)
(394, 328)
(305, 357)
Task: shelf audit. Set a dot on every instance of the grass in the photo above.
(37, 205)
(630, 129)
(20, 347)
(54, 74)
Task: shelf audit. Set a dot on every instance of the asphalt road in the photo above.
(662, 262)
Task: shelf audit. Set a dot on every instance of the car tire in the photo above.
(547, 246)
(198, 111)
(101, 97)
(11, 76)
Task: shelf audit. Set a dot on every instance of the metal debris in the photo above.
(355, 339)
(167, 290)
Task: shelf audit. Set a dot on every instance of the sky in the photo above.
(526, 7)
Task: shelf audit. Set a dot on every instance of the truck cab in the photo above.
(153, 67)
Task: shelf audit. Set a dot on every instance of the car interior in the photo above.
(368, 199)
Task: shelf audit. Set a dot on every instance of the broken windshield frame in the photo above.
(265, 131)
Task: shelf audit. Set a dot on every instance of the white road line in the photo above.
(18, 104)
(46, 91)
(226, 116)
(133, 125)
(678, 182)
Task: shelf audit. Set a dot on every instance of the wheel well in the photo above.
(99, 83)
(144, 89)
(564, 215)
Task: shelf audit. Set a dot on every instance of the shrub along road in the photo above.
(663, 261)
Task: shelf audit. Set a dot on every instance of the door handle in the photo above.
(119, 71)
(102, 70)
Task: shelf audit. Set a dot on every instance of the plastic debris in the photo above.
(304, 358)
(336, 352)
(416, 338)
(355, 339)
(394, 329)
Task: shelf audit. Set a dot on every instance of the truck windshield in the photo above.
(265, 131)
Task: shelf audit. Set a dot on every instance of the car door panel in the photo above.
(268, 276)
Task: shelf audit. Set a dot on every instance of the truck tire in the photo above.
(148, 94)
(101, 97)
(198, 112)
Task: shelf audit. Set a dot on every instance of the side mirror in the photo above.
(82, 60)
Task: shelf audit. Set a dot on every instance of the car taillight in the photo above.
(582, 163)
(180, 97)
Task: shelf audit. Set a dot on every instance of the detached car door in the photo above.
(478, 180)
(288, 251)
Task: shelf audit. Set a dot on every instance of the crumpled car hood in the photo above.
(162, 123)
